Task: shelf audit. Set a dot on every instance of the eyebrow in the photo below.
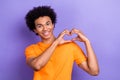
(48, 21)
(41, 24)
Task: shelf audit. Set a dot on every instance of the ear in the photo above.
(53, 25)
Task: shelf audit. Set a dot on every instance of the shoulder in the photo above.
(71, 45)
(32, 46)
(74, 46)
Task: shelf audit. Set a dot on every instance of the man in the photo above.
(52, 58)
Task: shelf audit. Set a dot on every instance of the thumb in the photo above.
(65, 41)
(75, 39)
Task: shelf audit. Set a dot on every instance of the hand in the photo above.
(61, 39)
(81, 37)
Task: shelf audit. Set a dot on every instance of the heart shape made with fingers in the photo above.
(69, 36)
(72, 36)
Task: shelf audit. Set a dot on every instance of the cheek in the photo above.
(52, 27)
(38, 31)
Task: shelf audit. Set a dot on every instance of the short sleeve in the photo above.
(31, 51)
(79, 55)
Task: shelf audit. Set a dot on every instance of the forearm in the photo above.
(40, 61)
(91, 58)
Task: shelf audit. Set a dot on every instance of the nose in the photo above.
(44, 27)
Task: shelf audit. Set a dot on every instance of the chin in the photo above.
(47, 37)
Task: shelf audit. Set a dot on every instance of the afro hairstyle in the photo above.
(37, 12)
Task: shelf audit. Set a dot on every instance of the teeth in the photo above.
(46, 33)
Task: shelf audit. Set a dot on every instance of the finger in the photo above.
(75, 39)
(65, 41)
(74, 31)
(65, 32)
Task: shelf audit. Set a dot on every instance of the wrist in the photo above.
(56, 42)
(87, 42)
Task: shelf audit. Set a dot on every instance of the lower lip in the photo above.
(46, 34)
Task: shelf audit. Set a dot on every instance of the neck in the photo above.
(49, 41)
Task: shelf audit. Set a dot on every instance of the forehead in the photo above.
(42, 20)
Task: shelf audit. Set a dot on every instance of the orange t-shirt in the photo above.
(59, 66)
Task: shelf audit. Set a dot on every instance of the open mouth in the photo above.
(46, 33)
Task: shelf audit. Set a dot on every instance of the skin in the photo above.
(44, 28)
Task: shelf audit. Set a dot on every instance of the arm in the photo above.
(38, 62)
(91, 65)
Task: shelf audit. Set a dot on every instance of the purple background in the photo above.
(98, 19)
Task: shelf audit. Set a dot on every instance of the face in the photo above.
(44, 27)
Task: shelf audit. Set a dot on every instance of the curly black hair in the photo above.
(37, 12)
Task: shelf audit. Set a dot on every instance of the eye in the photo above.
(48, 23)
(38, 26)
